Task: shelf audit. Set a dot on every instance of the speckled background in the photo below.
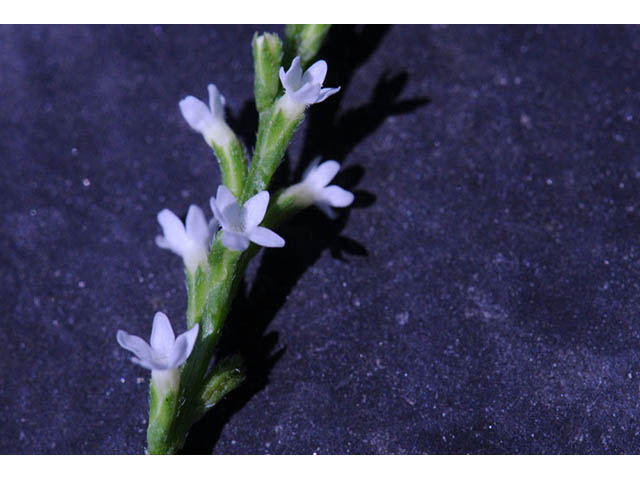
(482, 296)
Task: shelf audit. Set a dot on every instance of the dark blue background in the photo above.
(482, 296)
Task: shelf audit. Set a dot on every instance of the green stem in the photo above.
(162, 411)
(274, 135)
(211, 291)
(233, 164)
(304, 41)
(197, 391)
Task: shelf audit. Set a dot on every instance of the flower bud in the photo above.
(267, 55)
(304, 41)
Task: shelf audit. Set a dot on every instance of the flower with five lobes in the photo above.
(166, 352)
(192, 242)
(208, 120)
(240, 224)
(314, 190)
(304, 89)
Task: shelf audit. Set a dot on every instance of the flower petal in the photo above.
(325, 93)
(196, 113)
(316, 73)
(157, 362)
(148, 364)
(216, 102)
(162, 242)
(135, 345)
(322, 175)
(336, 196)
(162, 337)
(312, 166)
(283, 77)
(217, 214)
(254, 209)
(266, 238)
(307, 94)
(225, 208)
(213, 228)
(173, 230)
(293, 78)
(234, 241)
(327, 210)
(197, 229)
(225, 198)
(183, 347)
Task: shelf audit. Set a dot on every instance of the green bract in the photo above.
(304, 41)
(267, 58)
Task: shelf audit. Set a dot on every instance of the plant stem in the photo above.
(210, 291)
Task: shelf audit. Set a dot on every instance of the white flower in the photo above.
(240, 224)
(165, 354)
(192, 242)
(304, 89)
(314, 190)
(208, 120)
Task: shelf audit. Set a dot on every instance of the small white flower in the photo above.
(207, 120)
(314, 190)
(304, 89)
(165, 354)
(192, 242)
(240, 224)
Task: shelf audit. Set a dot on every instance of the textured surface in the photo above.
(483, 295)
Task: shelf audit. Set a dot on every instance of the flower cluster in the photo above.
(239, 224)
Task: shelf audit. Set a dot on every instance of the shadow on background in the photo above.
(311, 232)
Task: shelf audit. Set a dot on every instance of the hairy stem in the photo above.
(210, 291)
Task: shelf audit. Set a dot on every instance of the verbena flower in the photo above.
(240, 224)
(207, 120)
(314, 188)
(166, 352)
(191, 242)
(303, 89)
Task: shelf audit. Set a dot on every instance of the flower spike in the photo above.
(315, 189)
(240, 224)
(190, 241)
